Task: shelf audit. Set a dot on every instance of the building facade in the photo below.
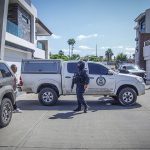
(146, 53)
(23, 29)
(142, 34)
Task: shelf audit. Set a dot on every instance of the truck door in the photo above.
(101, 82)
(70, 68)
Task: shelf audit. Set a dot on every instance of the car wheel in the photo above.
(6, 109)
(127, 96)
(47, 97)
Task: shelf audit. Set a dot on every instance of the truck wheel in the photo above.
(127, 96)
(5, 112)
(47, 97)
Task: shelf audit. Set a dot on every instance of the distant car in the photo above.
(7, 94)
(132, 69)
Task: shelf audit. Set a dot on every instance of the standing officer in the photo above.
(82, 81)
(14, 69)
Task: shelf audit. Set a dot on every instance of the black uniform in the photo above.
(81, 79)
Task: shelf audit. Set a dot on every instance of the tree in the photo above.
(71, 43)
(75, 57)
(93, 58)
(121, 57)
(58, 56)
(109, 54)
(61, 52)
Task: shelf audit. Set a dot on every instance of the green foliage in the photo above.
(75, 57)
(71, 43)
(121, 57)
(58, 56)
(109, 54)
(93, 58)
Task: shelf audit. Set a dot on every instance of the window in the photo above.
(38, 67)
(4, 71)
(143, 26)
(97, 69)
(25, 19)
(72, 67)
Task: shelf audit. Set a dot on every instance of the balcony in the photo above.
(14, 29)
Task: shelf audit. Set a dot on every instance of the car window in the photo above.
(97, 69)
(72, 67)
(40, 67)
(4, 71)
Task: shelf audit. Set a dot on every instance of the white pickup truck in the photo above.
(53, 78)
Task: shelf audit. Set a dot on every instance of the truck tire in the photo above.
(127, 96)
(47, 97)
(6, 109)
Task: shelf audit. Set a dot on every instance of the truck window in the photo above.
(72, 67)
(97, 69)
(4, 71)
(38, 67)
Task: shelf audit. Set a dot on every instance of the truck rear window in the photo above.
(39, 67)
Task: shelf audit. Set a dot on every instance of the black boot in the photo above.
(85, 109)
(77, 109)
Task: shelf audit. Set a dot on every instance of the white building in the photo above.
(142, 34)
(23, 28)
(147, 58)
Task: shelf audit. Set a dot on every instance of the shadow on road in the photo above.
(66, 115)
(67, 105)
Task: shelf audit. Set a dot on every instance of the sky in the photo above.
(107, 23)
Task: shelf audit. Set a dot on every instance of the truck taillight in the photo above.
(14, 84)
(21, 82)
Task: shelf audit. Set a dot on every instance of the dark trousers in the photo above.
(81, 100)
(15, 106)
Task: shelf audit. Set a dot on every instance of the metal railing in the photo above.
(14, 29)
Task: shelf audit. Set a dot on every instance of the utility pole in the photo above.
(96, 50)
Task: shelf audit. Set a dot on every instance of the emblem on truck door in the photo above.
(100, 81)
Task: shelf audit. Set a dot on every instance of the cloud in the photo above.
(82, 37)
(118, 47)
(84, 47)
(56, 36)
(130, 49)
(105, 47)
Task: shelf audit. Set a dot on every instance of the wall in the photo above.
(147, 21)
(3, 20)
(143, 37)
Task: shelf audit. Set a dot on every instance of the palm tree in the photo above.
(109, 54)
(71, 43)
(121, 57)
(61, 52)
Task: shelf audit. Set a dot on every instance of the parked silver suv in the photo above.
(7, 94)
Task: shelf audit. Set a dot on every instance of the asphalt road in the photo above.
(103, 127)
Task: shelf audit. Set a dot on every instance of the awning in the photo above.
(41, 29)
